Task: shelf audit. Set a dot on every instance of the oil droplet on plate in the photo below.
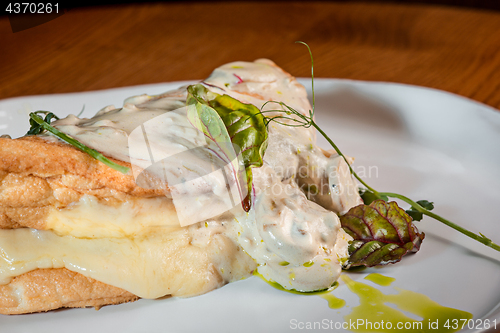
(373, 315)
(333, 301)
(380, 279)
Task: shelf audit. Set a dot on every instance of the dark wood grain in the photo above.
(453, 49)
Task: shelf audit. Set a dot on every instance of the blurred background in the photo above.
(487, 4)
(451, 45)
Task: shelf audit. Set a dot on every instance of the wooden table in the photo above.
(453, 49)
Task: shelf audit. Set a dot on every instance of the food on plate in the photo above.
(180, 193)
(90, 235)
(63, 210)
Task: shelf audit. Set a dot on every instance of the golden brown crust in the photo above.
(24, 217)
(37, 175)
(6, 222)
(35, 156)
(48, 289)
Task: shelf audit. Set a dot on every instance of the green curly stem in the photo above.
(480, 238)
(302, 120)
(313, 123)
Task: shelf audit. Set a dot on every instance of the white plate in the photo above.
(420, 142)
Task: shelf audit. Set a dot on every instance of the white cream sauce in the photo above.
(295, 241)
(154, 134)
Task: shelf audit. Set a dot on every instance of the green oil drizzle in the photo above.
(380, 279)
(293, 291)
(333, 301)
(374, 316)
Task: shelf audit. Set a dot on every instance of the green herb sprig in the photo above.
(419, 208)
(226, 120)
(39, 125)
(37, 128)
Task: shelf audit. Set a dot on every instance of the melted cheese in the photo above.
(89, 218)
(159, 261)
